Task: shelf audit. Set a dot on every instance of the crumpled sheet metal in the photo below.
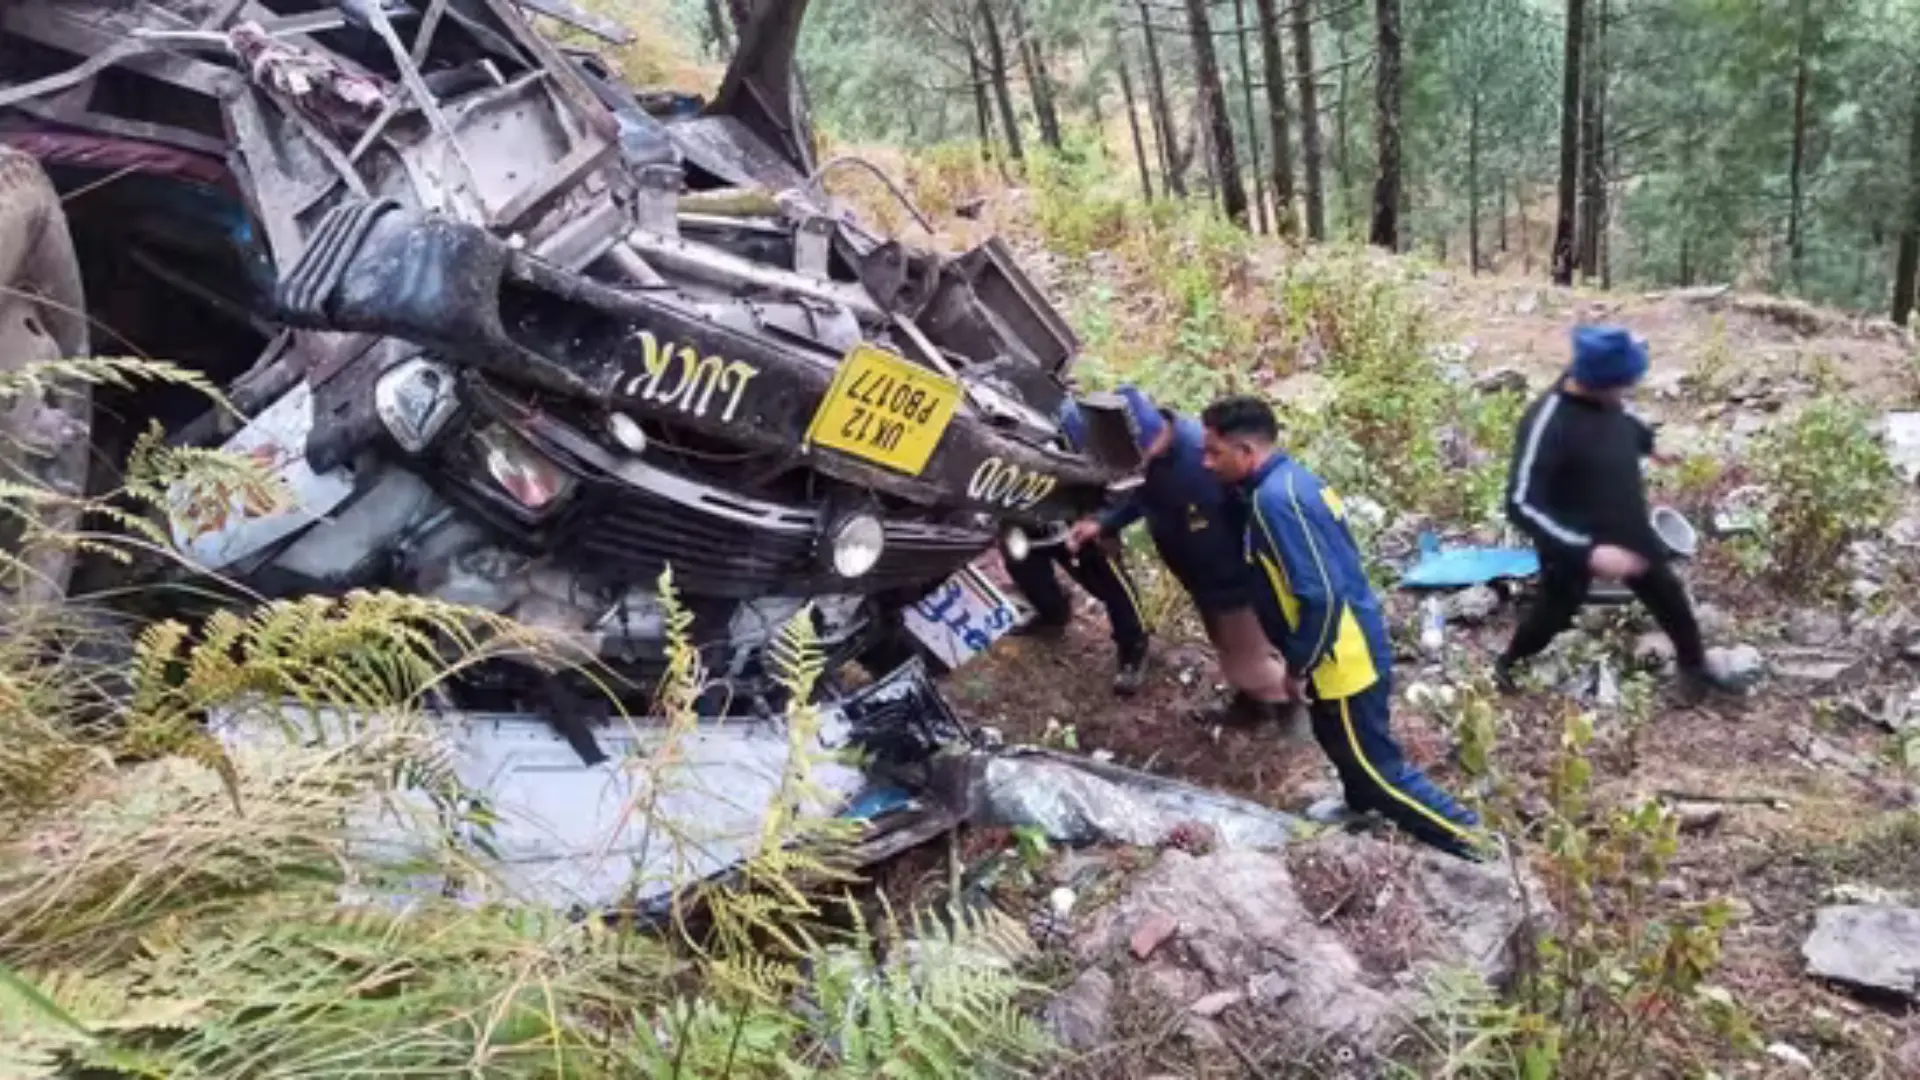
(633, 829)
(647, 821)
(1079, 801)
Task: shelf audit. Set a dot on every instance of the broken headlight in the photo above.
(854, 542)
(534, 480)
(415, 399)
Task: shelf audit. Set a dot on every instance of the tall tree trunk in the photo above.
(997, 57)
(1473, 182)
(1310, 151)
(1253, 126)
(1213, 98)
(982, 109)
(1385, 231)
(1796, 243)
(1162, 112)
(1033, 63)
(1500, 210)
(1593, 146)
(1563, 237)
(1908, 264)
(1343, 132)
(1096, 89)
(717, 29)
(1526, 230)
(1133, 117)
(1272, 59)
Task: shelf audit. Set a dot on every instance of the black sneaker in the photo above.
(1131, 676)
(1504, 679)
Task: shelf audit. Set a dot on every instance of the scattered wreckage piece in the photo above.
(649, 809)
(664, 809)
(1077, 800)
(519, 336)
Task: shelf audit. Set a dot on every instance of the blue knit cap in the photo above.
(1607, 357)
(1143, 417)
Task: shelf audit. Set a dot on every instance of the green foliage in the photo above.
(1608, 984)
(1828, 482)
(1399, 426)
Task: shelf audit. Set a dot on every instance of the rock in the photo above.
(1151, 933)
(1244, 913)
(1742, 510)
(1873, 947)
(1061, 902)
(1502, 380)
(1329, 810)
(1269, 988)
(1851, 893)
(1713, 619)
(1813, 668)
(1903, 444)
(1866, 558)
(1473, 606)
(1743, 664)
(1081, 1016)
(1653, 650)
(1863, 591)
(1790, 1057)
(1699, 817)
(1824, 754)
(1527, 304)
(1673, 888)
(1905, 532)
(1216, 1003)
(1808, 626)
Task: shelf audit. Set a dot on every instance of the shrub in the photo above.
(1607, 985)
(1828, 482)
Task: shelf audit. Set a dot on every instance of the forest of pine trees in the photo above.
(1773, 144)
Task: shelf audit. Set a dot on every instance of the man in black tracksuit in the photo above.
(1576, 488)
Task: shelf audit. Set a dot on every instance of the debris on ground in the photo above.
(1903, 444)
(1337, 954)
(1871, 947)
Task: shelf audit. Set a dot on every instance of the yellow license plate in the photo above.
(885, 409)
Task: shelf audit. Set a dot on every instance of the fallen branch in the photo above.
(1771, 801)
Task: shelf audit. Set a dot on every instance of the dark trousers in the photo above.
(1098, 571)
(1356, 733)
(1564, 584)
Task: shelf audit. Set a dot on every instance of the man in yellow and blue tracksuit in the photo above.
(1321, 613)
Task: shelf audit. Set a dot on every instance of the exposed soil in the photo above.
(1793, 827)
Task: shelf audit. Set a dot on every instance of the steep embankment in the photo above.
(1402, 379)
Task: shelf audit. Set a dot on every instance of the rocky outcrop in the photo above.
(1331, 939)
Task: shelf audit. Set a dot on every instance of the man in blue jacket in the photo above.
(1100, 571)
(1196, 525)
(1320, 611)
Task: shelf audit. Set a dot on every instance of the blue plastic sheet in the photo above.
(1464, 567)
